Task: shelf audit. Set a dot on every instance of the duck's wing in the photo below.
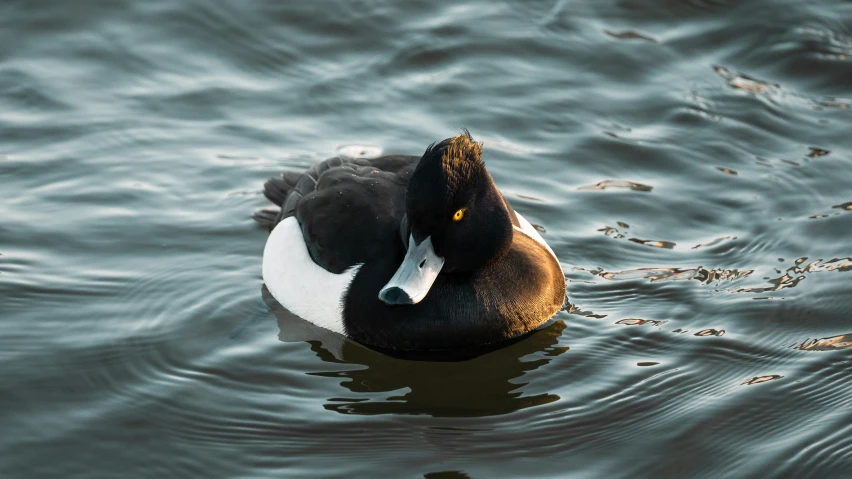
(349, 209)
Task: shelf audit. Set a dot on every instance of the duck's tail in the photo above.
(276, 190)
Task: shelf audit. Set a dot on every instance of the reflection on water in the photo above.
(614, 232)
(744, 82)
(789, 278)
(817, 152)
(639, 322)
(630, 35)
(488, 384)
(710, 332)
(762, 379)
(618, 184)
(798, 272)
(359, 151)
(645, 364)
(678, 274)
(574, 309)
(844, 341)
(654, 243)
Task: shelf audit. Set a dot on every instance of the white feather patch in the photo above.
(300, 285)
(528, 229)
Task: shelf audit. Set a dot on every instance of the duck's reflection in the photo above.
(479, 386)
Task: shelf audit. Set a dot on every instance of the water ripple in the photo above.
(673, 150)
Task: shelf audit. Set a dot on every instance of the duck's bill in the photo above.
(416, 274)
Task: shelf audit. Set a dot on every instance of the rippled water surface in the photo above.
(690, 162)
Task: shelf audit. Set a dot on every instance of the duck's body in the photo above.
(342, 233)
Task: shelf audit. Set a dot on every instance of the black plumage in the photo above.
(496, 283)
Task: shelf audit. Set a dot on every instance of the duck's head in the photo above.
(456, 217)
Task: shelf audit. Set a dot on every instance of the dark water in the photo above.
(690, 161)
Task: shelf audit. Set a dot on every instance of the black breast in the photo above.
(511, 296)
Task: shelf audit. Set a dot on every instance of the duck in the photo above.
(408, 253)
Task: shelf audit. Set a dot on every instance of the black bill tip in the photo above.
(395, 296)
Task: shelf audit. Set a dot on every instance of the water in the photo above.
(689, 161)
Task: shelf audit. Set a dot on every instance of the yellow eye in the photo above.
(459, 215)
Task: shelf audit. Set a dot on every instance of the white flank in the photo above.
(300, 285)
(528, 229)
